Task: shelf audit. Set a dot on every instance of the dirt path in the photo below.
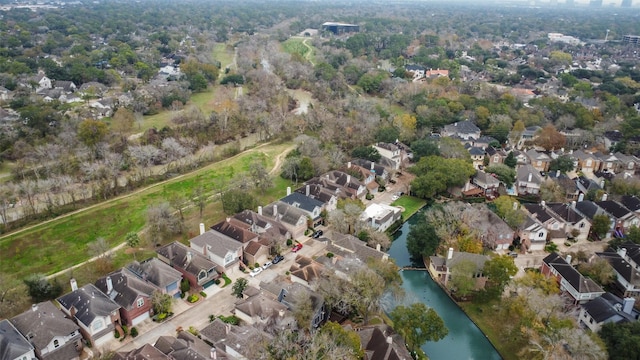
(278, 163)
(308, 55)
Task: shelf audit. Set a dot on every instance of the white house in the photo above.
(380, 216)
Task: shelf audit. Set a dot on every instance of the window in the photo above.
(588, 162)
(539, 163)
(228, 258)
(581, 225)
(97, 325)
(56, 343)
(202, 274)
(541, 234)
(495, 159)
(140, 302)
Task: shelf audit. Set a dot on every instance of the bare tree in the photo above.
(162, 223)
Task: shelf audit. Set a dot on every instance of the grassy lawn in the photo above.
(410, 204)
(495, 328)
(59, 244)
(295, 46)
(224, 54)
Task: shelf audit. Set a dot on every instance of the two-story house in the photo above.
(377, 169)
(13, 345)
(165, 278)
(572, 283)
(487, 182)
(540, 161)
(493, 231)
(605, 309)
(94, 312)
(477, 157)
(195, 267)
(267, 228)
(585, 162)
(311, 207)
(380, 216)
(390, 154)
(528, 180)
(219, 248)
(317, 192)
(51, 334)
(293, 218)
(496, 156)
(621, 217)
(259, 308)
(440, 268)
(463, 129)
(131, 293)
(533, 235)
(576, 225)
(627, 273)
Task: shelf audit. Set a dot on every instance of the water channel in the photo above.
(465, 341)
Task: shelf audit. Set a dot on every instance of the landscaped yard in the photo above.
(410, 204)
(59, 244)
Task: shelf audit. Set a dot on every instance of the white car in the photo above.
(255, 271)
(266, 265)
(394, 197)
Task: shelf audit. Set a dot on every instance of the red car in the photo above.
(297, 247)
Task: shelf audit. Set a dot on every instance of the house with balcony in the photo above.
(488, 183)
(195, 267)
(49, 332)
(572, 283)
(157, 273)
(131, 293)
(94, 312)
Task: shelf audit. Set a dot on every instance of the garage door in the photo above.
(140, 318)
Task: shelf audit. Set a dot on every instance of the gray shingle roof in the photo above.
(12, 343)
(216, 243)
(524, 171)
(302, 201)
(631, 202)
(42, 323)
(603, 309)
(127, 287)
(156, 272)
(89, 303)
(145, 352)
(614, 208)
(462, 127)
(587, 208)
(178, 255)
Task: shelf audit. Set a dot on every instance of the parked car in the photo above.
(513, 254)
(255, 271)
(277, 259)
(266, 265)
(317, 234)
(297, 247)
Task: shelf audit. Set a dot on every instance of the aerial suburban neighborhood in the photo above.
(319, 180)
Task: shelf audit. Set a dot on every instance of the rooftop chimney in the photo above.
(189, 256)
(275, 210)
(308, 189)
(288, 190)
(627, 305)
(378, 247)
(573, 205)
(622, 252)
(259, 210)
(74, 284)
(581, 197)
(558, 173)
(569, 259)
(450, 254)
(602, 183)
(389, 340)
(349, 165)
(201, 228)
(530, 177)
(109, 285)
(373, 165)
(34, 307)
(348, 179)
(604, 197)
(543, 204)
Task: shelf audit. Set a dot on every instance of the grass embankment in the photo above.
(63, 242)
(410, 204)
(489, 319)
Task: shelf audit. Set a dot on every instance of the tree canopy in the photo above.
(418, 324)
(434, 175)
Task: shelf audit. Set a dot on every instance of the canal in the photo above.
(465, 341)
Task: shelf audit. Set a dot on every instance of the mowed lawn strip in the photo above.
(410, 204)
(59, 244)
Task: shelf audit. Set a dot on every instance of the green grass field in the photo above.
(296, 46)
(410, 204)
(61, 243)
(224, 54)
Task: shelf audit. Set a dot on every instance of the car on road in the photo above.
(255, 271)
(513, 254)
(277, 259)
(297, 247)
(317, 234)
(266, 265)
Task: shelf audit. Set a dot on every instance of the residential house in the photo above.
(580, 288)
(380, 343)
(487, 182)
(195, 267)
(341, 185)
(377, 169)
(185, 346)
(131, 293)
(311, 207)
(621, 217)
(345, 245)
(540, 161)
(67, 87)
(234, 342)
(631, 202)
(528, 180)
(416, 71)
(626, 163)
(259, 308)
(611, 138)
(145, 352)
(304, 270)
(219, 248)
(287, 295)
(606, 309)
(576, 225)
(380, 217)
(266, 228)
(366, 175)
(95, 313)
(257, 252)
(5, 94)
(51, 334)
(391, 153)
(436, 73)
(585, 162)
(493, 231)
(528, 135)
(39, 82)
(440, 268)
(317, 192)
(239, 231)
(586, 186)
(555, 226)
(609, 163)
(159, 274)
(13, 345)
(496, 156)
(532, 234)
(477, 157)
(568, 185)
(463, 129)
(627, 273)
(293, 218)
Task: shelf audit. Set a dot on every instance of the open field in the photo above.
(63, 242)
(299, 45)
(410, 204)
(224, 54)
